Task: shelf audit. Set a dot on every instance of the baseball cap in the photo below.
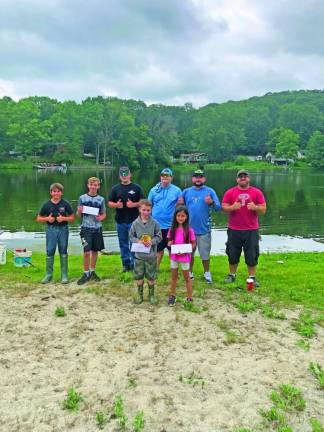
(167, 171)
(124, 171)
(242, 171)
(198, 173)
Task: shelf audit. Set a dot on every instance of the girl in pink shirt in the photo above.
(180, 233)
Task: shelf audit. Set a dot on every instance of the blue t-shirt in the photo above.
(164, 202)
(90, 221)
(199, 210)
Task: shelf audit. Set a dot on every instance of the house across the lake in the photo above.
(193, 157)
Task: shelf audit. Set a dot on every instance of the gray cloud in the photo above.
(173, 51)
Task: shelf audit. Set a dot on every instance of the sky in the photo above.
(166, 51)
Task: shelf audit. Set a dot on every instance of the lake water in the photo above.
(294, 217)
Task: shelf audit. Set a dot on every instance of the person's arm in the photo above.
(113, 201)
(43, 215)
(228, 208)
(215, 201)
(258, 208)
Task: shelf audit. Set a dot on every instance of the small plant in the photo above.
(274, 416)
(72, 400)
(243, 430)
(305, 325)
(270, 312)
(318, 373)
(285, 429)
(139, 421)
(192, 379)
(289, 398)
(132, 382)
(119, 412)
(316, 425)
(247, 303)
(59, 312)
(189, 306)
(101, 419)
(304, 345)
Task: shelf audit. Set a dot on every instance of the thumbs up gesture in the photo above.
(119, 204)
(129, 203)
(50, 218)
(208, 199)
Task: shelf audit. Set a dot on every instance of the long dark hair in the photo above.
(185, 225)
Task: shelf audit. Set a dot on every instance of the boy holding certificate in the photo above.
(145, 234)
(92, 210)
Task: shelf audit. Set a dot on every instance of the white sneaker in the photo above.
(191, 275)
(208, 277)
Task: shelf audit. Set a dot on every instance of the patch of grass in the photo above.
(139, 421)
(60, 312)
(271, 312)
(274, 416)
(316, 425)
(247, 303)
(96, 290)
(231, 338)
(318, 373)
(119, 412)
(101, 419)
(304, 345)
(132, 383)
(305, 325)
(192, 379)
(189, 306)
(243, 430)
(288, 398)
(72, 400)
(285, 429)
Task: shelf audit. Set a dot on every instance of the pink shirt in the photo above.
(179, 239)
(243, 219)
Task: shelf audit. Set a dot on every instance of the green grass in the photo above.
(72, 400)
(318, 373)
(316, 425)
(101, 419)
(60, 312)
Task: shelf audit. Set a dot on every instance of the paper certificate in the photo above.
(181, 248)
(90, 210)
(139, 247)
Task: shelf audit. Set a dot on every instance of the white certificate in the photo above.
(181, 248)
(90, 210)
(139, 247)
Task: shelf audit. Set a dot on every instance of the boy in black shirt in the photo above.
(56, 213)
(125, 197)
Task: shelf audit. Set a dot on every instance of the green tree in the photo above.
(315, 150)
(287, 146)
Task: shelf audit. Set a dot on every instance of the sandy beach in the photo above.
(180, 368)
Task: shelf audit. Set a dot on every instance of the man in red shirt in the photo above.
(244, 204)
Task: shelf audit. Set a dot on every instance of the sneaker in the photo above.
(94, 276)
(229, 278)
(256, 283)
(84, 278)
(171, 301)
(191, 275)
(208, 277)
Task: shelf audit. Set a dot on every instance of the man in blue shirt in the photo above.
(200, 201)
(164, 197)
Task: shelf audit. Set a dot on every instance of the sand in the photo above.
(176, 366)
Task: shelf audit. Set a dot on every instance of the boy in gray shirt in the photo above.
(145, 230)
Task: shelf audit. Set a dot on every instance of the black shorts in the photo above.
(248, 240)
(92, 239)
(164, 242)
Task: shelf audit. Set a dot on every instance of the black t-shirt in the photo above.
(132, 192)
(62, 208)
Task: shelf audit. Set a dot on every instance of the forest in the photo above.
(130, 131)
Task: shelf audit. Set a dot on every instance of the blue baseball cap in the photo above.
(167, 171)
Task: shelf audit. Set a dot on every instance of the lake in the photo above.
(295, 200)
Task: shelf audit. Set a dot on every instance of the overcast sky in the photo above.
(165, 51)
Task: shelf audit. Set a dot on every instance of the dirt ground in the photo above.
(192, 372)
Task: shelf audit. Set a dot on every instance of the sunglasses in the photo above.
(165, 175)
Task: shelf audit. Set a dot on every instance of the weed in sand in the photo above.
(96, 290)
(243, 430)
(271, 312)
(132, 383)
(274, 416)
(305, 325)
(101, 419)
(60, 312)
(200, 290)
(318, 373)
(232, 338)
(119, 412)
(189, 306)
(247, 303)
(223, 325)
(304, 345)
(139, 421)
(285, 429)
(289, 398)
(316, 425)
(72, 400)
(192, 379)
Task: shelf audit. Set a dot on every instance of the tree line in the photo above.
(132, 132)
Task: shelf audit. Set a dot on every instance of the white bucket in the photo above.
(3, 254)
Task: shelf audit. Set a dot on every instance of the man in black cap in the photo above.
(125, 197)
(243, 204)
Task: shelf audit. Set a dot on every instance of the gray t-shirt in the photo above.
(97, 201)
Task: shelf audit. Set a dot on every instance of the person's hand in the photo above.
(147, 243)
(50, 218)
(170, 243)
(208, 199)
(252, 206)
(79, 211)
(119, 204)
(236, 206)
(99, 217)
(60, 218)
(130, 204)
(180, 201)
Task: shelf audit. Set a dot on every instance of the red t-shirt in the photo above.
(243, 219)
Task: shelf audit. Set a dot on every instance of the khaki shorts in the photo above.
(204, 245)
(145, 268)
(183, 265)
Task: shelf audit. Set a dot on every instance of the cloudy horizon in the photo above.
(173, 52)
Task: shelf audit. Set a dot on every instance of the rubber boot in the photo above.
(64, 269)
(152, 299)
(140, 297)
(49, 270)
